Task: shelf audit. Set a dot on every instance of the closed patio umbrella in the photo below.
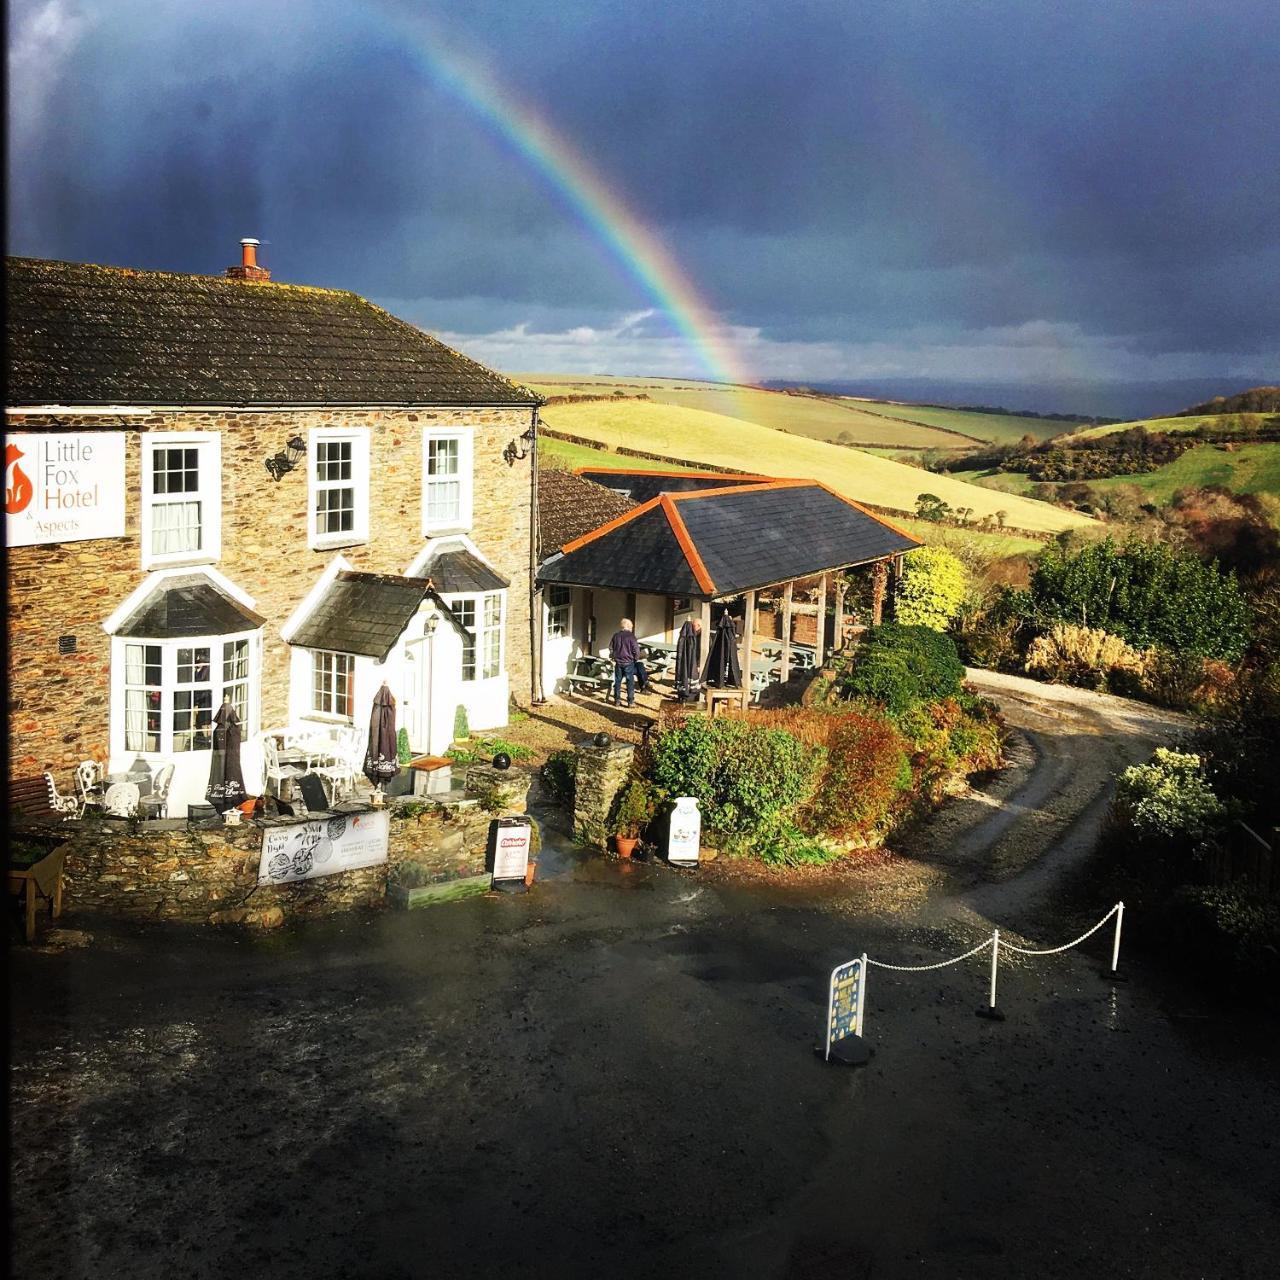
(723, 670)
(382, 761)
(226, 780)
(688, 662)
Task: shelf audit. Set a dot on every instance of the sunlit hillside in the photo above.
(697, 436)
(1241, 423)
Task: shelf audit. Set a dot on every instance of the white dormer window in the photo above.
(338, 488)
(446, 481)
(181, 498)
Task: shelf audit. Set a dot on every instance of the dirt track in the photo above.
(613, 1075)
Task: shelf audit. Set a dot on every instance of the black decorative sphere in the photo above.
(602, 739)
(502, 761)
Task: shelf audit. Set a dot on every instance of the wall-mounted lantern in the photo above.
(518, 450)
(293, 452)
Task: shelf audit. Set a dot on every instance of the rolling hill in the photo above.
(699, 436)
(1233, 422)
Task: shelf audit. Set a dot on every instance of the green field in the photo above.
(565, 454)
(698, 436)
(998, 428)
(1233, 422)
(869, 422)
(1248, 468)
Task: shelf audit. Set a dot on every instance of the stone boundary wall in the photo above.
(167, 870)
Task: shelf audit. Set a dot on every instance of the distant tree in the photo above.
(1001, 517)
(932, 508)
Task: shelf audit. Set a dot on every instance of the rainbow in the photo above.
(641, 253)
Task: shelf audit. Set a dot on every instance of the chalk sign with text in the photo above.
(323, 847)
(63, 487)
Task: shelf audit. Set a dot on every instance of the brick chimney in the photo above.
(248, 268)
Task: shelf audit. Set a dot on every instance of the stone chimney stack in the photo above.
(248, 268)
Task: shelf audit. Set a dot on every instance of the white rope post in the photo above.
(991, 1013)
(1113, 973)
(862, 995)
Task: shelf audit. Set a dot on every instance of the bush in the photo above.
(633, 808)
(558, 775)
(748, 780)
(1146, 593)
(867, 769)
(901, 667)
(931, 589)
(1240, 931)
(1084, 656)
(461, 725)
(788, 846)
(404, 752)
(1169, 798)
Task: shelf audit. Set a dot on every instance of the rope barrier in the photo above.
(1066, 946)
(924, 968)
(854, 1043)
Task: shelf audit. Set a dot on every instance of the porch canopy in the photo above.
(727, 539)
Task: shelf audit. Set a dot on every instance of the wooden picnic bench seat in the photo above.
(590, 675)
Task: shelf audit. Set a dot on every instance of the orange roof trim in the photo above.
(700, 574)
(615, 523)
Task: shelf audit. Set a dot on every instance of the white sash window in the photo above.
(446, 481)
(181, 498)
(339, 486)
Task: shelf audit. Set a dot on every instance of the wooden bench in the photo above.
(590, 675)
(29, 798)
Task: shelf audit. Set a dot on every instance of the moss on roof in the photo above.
(85, 334)
(569, 506)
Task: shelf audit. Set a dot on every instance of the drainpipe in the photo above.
(535, 593)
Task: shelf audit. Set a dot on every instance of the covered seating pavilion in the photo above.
(718, 538)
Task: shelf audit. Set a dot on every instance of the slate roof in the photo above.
(641, 486)
(85, 334)
(366, 613)
(724, 541)
(189, 605)
(570, 505)
(456, 571)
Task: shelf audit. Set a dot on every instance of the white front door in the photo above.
(417, 693)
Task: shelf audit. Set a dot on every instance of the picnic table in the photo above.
(33, 875)
(590, 675)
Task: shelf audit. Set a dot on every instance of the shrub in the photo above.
(867, 769)
(633, 808)
(748, 779)
(558, 775)
(482, 750)
(900, 667)
(931, 589)
(1085, 656)
(461, 725)
(1240, 931)
(788, 846)
(404, 752)
(1169, 798)
(1146, 593)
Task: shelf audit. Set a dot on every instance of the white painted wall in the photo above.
(560, 652)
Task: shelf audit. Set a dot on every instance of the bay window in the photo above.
(181, 498)
(170, 690)
(446, 481)
(481, 616)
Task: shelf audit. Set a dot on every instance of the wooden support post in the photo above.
(785, 673)
(748, 637)
(819, 652)
(880, 575)
(837, 640)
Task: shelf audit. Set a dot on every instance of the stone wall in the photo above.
(168, 871)
(602, 773)
(58, 703)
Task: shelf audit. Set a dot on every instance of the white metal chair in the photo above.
(122, 799)
(89, 783)
(156, 805)
(347, 762)
(67, 806)
(273, 770)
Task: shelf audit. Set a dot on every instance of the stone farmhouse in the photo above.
(223, 487)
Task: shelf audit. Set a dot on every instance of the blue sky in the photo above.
(1046, 197)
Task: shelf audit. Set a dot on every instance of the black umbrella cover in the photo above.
(382, 761)
(226, 779)
(688, 660)
(723, 670)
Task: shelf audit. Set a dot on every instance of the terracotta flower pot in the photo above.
(626, 845)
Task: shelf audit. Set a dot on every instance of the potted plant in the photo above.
(633, 812)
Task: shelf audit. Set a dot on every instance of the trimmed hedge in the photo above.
(901, 667)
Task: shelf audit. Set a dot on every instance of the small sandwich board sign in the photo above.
(507, 857)
(844, 1042)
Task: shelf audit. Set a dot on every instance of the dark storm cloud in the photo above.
(827, 172)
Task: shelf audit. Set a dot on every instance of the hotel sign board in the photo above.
(63, 487)
(321, 847)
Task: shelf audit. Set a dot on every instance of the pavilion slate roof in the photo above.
(188, 605)
(570, 505)
(85, 334)
(724, 541)
(366, 613)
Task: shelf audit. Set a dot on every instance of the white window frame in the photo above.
(319, 713)
(169, 686)
(358, 438)
(466, 468)
(559, 615)
(481, 631)
(209, 494)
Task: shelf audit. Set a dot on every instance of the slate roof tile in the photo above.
(570, 505)
(188, 605)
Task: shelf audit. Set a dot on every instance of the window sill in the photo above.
(446, 530)
(321, 717)
(180, 562)
(338, 543)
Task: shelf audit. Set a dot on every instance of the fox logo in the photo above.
(17, 486)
